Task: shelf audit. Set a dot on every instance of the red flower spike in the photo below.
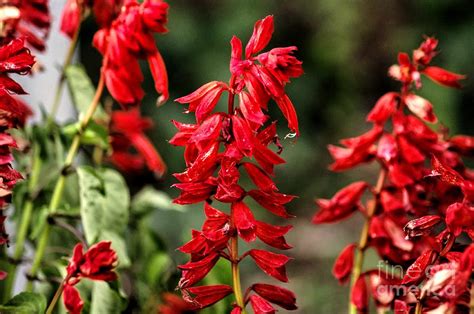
(262, 33)
(72, 300)
(343, 265)
(276, 295)
(343, 204)
(271, 263)
(261, 306)
(444, 77)
(204, 296)
(214, 151)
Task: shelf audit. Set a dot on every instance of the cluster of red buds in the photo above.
(27, 19)
(125, 36)
(402, 144)
(97, 263)
(217, 147)
(14, 58)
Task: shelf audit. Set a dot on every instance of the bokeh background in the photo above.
(346, 47)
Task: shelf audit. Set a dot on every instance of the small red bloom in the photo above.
(72, 300)
(359, 296)
(261, 306)
(127, 131)
(343, 265)
(343, 204)
(97, 263)
(443, 77)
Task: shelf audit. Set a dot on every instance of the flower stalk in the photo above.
(60, 184)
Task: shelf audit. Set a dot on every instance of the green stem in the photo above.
(234, 254)
(60, 184)
(24, 223)
(55, 299)
(62, 77)
(364, 237)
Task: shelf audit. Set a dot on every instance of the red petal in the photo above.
(160, 76)
(244, 221)
(204, 296)
(387, 149)
(277, 295)
(384, 108)
(359, 296)
(443, 77)
(72, 300)
(343, 265)
(288, 110)
(260, 178)
(194, 271)
(260, 305)
(420, 107)
(417, 271)
(251, 109)
(262, 33)
(243, 135)
(273, 235)
(271, 263)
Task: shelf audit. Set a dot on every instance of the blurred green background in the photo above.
(346, 47)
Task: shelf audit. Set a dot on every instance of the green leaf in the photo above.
(104, 202)
(105, 300)
(25, 303)
(82, 90)
(157, 267)
(150, 199)
(95, 134)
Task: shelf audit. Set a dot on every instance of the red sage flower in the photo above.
(215, 149)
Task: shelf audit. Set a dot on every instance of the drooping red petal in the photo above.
(260, 178)
(204, 296)
(384, 108)
(72, 300)
(250, 108)
(244, 221)
(271, 263)
(417, 271)
(359, 296)
(260, 305)
(273, 235)
(160, 76)
(443, 77)
(276, 295)
(343, 265)
(70, 18)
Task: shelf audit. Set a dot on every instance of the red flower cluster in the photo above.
(402, 144)
(125, 36)
(132, 150)
(214, 151)
(28, 19)
(97, 263)
(14, 58)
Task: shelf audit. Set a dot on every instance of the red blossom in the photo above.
(72, 299)
(174, 304)
(343, 265)
(214, 149)
(276, 295)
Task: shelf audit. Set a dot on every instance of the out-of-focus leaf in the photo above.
(105, 300)
(82, 90)
(150, 199)
(25, 303)
(95, 134)
(157, 267)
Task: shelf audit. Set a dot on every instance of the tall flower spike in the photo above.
(402, 144)
(215, 147)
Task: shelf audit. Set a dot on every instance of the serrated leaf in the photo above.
(25, 303)
(150, 199)
(82, 90)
